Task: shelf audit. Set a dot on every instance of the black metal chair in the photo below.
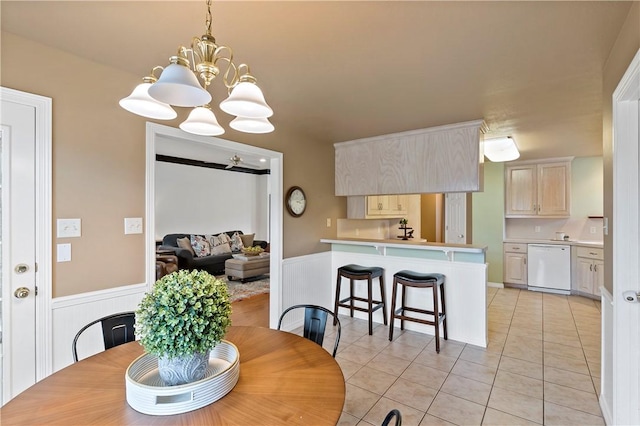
(116, 330)
(315, 321)
(393, 413)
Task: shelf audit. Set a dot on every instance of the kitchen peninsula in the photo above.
(463, 265)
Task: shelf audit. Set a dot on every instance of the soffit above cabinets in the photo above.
(437, 159)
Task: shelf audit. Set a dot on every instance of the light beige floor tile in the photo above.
(436, 360)
(468, 389)
(412, 338)
(474, 371)
(562, 339)
(358, 401)
(499, 327)
(529, 341)
(515, 350)
(358, 354)
(563, 416)
(429, 420)
(522, 367)
(568, 378)
(564, 363)
(372, 380)
(456, 410)
(427, 376)
(573, 398)
(480, 356)
(498, 418)
(413, 394)
(516, 404)
(410, 416)
(596, 385)
(372, 342)
(401, 351)
(521, 384)
(563, 350)
(348, 367)
(389, 364)
(449, 348)
(347, 419)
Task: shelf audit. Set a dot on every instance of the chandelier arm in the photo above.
(154, 69)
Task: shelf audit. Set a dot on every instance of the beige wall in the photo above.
(619, 59)
(99, 167)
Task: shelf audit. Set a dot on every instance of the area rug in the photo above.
(239, 290)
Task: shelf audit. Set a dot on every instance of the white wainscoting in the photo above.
(71, 313)
(305, 279)
(606, 380)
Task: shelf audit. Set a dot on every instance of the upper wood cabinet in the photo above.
(378, 206)
(434, 160)
(538, 189)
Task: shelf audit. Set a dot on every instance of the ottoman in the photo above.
(243, 269)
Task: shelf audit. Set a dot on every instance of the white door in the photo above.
(455, 218)
(18, 245)
(623, 403)
(25, 136)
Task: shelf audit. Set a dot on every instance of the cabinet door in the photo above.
(515, 268)
(521, 193)
(553, 189)
(374, 205)
(402, 204)
(585, 275)
(598, 276)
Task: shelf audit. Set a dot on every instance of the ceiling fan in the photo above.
(234, 161)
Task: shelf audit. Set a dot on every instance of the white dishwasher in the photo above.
(549, 268)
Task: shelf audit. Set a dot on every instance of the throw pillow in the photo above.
(247, 239)
(236, 242)
(214, 240)
(200, 246)
(185, 243)
(221, 249)
(224, 238)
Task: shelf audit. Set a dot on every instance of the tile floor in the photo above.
(542, 366)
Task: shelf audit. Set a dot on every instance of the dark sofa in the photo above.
(214, 264)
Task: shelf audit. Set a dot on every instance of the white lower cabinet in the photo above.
(515, 263)
(589, 271)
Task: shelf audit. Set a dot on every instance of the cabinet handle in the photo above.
(595, 268)
(515, 248)
(593, 254)
(525, 260)
(399, 206)
(591, 267)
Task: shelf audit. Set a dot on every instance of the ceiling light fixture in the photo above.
(178, 85)
(501, 149)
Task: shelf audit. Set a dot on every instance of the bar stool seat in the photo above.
(356, 273)
(434, 281)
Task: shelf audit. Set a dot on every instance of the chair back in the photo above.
(315, 323)
(116, 330)
(393, 413)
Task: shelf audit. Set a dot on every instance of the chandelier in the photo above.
(178, 85)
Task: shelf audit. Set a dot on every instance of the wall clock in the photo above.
(296, 201)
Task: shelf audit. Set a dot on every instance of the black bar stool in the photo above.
(419, 280)
(356, 273)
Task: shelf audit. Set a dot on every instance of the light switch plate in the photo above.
(69, 228)
(133, 225)
(64, 252)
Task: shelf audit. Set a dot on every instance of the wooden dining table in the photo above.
(284, 379)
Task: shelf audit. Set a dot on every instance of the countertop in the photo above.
(570, 242)
(415, 244)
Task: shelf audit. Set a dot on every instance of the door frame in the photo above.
(43, 232)
(626, 247)
(154, 131)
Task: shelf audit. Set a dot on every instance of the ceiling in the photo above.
(335, 71)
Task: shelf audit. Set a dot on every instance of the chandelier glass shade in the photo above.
(178, 85)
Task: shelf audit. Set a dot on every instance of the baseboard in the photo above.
(495, 285)
(606, 413)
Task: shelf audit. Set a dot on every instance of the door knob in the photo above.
(460, 236)
(21, 292)
(21, 268)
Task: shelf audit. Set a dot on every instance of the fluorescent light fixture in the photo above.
(501, 149)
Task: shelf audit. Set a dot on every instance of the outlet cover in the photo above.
(68, 228)
(592, 229)
(536, 229)
(64, 253)
(132, 225)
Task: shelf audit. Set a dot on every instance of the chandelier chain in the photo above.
(209, 19)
